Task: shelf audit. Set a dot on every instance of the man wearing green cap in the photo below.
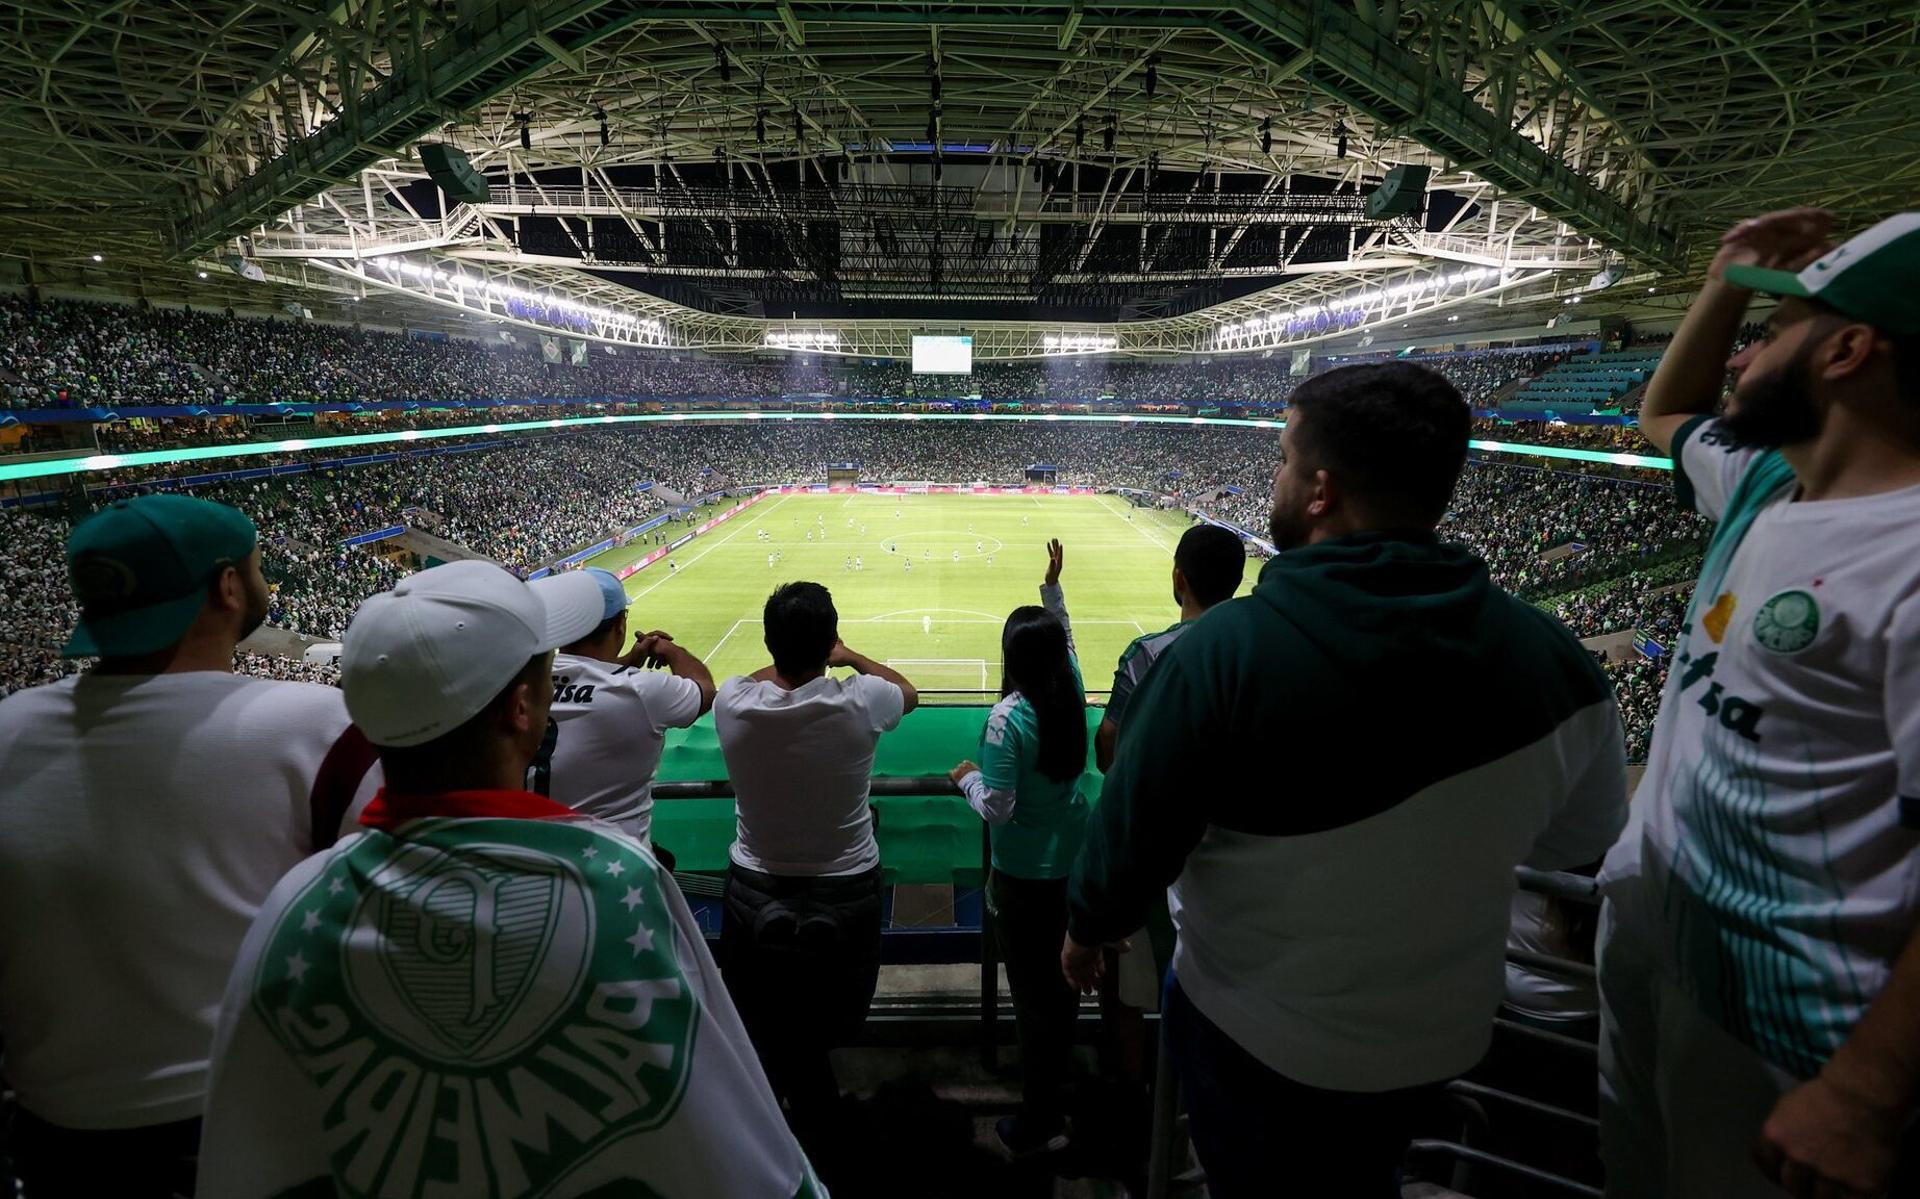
(150, 805)
(1760, 943)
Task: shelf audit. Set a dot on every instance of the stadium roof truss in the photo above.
(1578, 135)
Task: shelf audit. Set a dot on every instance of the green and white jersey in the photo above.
(1776, 827)
(1138, 658)
(504, 1001)
(1037, 823)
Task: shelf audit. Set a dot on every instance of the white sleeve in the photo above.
(671, 701)
(262, 1132)
(1594, 810)
(1707, 466)
(993, 806)
(885, 703)
(1055, 601)
(1903, 706)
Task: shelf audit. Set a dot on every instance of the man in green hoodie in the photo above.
(1334, 778)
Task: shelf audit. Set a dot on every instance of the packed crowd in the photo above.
(1623, 439)
(74, 354)
(1654, 602)
(1543, 532)
(39, 609)
(526, 502)
(1637, 683)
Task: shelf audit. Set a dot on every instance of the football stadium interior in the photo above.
(890, 296)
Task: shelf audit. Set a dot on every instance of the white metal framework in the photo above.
(157, 134)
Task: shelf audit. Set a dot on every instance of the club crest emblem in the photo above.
(1787, 623)
(462, 943)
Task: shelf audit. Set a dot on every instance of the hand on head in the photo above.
(1785, 240)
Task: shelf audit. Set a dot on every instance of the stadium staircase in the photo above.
(433, 548)
(1591, 382)
(209, 375)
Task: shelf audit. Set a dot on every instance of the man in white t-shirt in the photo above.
(800, 932)
(1760, 944)
(611, 715)
(481, 992)
(149, 807)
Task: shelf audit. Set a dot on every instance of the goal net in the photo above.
(967, 675)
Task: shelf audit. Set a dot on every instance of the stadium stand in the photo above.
(528, 502)
(62, 354)
(1589, 383)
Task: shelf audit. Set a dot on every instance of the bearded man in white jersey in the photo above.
(150, 805)
(611, 714)
(1760, 943)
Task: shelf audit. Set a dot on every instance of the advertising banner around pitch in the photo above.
(723, 518)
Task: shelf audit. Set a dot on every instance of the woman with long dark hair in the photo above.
(1027, 787)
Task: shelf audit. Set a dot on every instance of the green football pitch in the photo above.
(911, 603)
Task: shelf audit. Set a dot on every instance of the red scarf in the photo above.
(389, 811)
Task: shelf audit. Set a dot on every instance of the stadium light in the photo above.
(1349, 309)
(56, 467)
(1078, 343)
(808, 339)
(531, 305)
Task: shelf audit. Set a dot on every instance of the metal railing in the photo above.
(913, 786)
(1162, 1177)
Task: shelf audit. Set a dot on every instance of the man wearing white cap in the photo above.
(1760, 943)
(611, 715)
(483, 993)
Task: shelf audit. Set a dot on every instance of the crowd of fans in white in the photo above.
(528, 502)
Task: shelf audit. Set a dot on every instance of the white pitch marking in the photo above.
(716, 545)
(734, 628)
(1136, 526)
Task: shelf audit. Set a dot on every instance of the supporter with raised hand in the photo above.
(150, 805)
(800, 930)
(1341, 907)
(1760, 943)
(611, 711)
(1027, 788)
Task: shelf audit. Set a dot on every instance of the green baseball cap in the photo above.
(140, 569)
(1869, 278)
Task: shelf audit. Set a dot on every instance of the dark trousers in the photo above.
(1260, 1133)
(1029, 926)
(801, 957)
(157, 1161)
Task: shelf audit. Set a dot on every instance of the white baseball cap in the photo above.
(421, 660)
